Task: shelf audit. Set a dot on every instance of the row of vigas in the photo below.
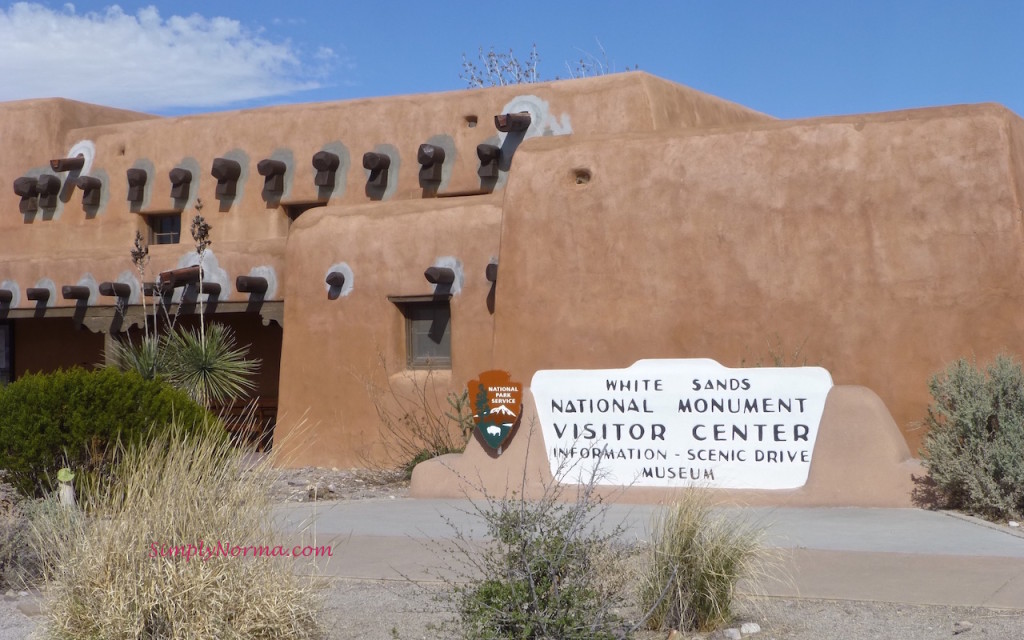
(42, 192)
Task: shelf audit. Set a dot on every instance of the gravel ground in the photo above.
(388, 610)
(383, 611)
(374, 610)
(308, 483)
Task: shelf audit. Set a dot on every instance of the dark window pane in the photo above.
(165, 229)
(5, 354)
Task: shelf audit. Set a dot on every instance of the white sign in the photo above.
(676, 423)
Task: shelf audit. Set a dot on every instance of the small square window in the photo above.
(428, 333)
(164, 229)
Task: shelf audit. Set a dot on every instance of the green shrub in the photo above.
(974, 449)
(548, 572)
(694, 563)
(71, 418)
(109, 578)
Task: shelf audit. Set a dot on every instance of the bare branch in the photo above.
(493, 69)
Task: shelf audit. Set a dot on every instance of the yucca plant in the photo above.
(212, 369)
(206, 363)
(142, 357)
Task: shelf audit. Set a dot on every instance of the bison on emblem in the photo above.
(497, 405)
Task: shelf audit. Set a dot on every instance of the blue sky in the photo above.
(786, 58)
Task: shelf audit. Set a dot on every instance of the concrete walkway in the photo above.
(892, 555)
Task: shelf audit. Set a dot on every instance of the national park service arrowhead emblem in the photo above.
(497, 405)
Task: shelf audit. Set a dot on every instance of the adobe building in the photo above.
(421, 240)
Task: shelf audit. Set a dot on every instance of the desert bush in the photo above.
(548, 570)
(693, 565)
(106, 573)
(20, 564)
(975, 441)
(414, 422)
(72, 417)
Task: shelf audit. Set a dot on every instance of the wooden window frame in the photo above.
(413, 309)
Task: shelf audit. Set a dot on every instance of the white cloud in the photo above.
(144, 61)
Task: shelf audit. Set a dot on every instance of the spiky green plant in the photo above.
(210, 368)
(142, 357)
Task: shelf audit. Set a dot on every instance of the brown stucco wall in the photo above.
(674, 106)
(249, 229)
(34, 132)
(332, 347)
(408, 230)
(884, 245)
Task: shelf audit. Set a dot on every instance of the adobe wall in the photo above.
(886, 246)
(389, 243)
(333, 347)
(33, 130)
(249, 228)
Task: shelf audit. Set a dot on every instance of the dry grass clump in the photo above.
(179, 489)
(694, 563)
(20, 564)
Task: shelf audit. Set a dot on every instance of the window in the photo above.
(164, 229)
(428, 332)
(6, 370)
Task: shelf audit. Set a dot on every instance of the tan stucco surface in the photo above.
(249, 229)
(333, 347)
(884, 246)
